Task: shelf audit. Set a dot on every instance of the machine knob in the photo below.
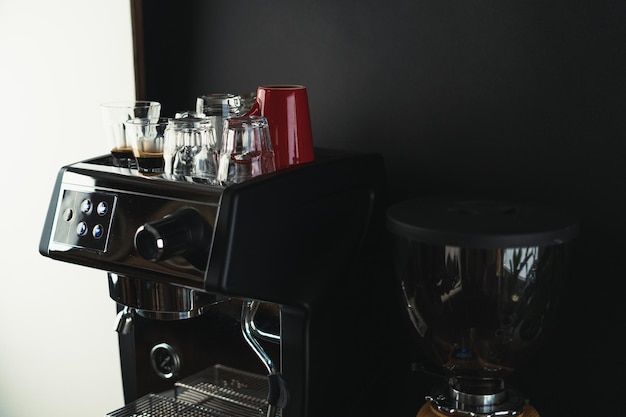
(183, 233)
(165, 361)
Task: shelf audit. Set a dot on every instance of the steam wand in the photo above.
(278, 395)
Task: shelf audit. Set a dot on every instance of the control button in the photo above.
(68, 214)
(81, 229)
(85, 206)
(165, 361)
(97, 231)
(102, 208)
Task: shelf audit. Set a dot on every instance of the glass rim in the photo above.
(253, 120)
(129, 103)
(147, 121)
(190, 122)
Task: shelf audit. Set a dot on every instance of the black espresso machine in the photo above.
(260, 298)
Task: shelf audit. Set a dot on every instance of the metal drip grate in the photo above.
(155, 405)
(218, 391)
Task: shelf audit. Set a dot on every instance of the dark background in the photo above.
(511, 99)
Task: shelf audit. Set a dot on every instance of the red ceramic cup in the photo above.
(286, 108)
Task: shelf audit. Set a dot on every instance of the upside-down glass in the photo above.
(219, 107)
(190, 149)
(147, 139)
(246, 150)
(114, 114)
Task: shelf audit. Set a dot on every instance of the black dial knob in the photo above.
(183, 233)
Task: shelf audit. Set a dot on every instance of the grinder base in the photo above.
(428, 410)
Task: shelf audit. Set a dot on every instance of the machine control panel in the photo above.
(84, 219)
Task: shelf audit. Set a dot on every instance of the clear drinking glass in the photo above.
(147, 139)
(114, 114)
(219, 107)
(246, 150)
(190, 149)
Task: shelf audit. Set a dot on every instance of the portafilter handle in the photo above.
(183, 233)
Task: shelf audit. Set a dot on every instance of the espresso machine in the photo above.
(258, 298)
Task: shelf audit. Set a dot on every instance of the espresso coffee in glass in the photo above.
(147, 139)
(114, 115)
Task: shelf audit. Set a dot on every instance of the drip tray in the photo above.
(218, 391)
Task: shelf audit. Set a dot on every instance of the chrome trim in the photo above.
(261, 334)
(248, 310)
(450, 400)
(137, 200)
(124, 320)
(157, 300)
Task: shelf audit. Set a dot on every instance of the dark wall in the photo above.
(515, 99)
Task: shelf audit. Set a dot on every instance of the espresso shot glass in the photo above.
(114, 116)
(147, 139)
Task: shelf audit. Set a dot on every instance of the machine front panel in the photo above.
(95, 221)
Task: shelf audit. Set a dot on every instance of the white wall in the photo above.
(58, 60)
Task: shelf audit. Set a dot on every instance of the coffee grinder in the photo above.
(250, 299)
(481, 282)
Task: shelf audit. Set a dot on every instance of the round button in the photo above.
(81, 229)
(97, 231)
(68, 214)
(102, 208)
(85, 206)
(165, 361)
